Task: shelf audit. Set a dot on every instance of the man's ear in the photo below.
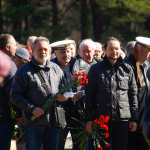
(94, 51)
(22, 60)
(55, 52)
(7, 47)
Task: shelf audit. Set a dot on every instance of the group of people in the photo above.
(117, 87)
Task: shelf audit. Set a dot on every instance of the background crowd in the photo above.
(118, 87)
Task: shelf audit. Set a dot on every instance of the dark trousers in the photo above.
(136, 141)
(63, 135)
(6, 134)
(35, 136)
(118, 134)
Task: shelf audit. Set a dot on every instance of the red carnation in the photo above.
(84, 78)
(81, 82)
(75, 74)
(76, 77)
(99, 148)
(106, 119)
(102, 125)
(106, 135)
(79, 73)
(96, 121)
(106, 127)
(101, 117)
(107, 145)
(83, 73)
(82, 85)
(86, 82)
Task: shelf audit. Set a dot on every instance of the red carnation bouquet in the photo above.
(78, 80)
(98, 129)
(99, 132)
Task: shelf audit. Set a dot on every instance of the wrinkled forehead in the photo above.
(87, 47)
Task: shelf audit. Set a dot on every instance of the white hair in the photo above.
(87, 42)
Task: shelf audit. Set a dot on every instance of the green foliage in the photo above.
(124, 19)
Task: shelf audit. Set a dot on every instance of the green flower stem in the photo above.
(52, 99)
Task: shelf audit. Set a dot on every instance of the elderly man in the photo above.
(87, 51)
(8, 46)
(31, 40)
(112, 91)
(99, 51)
(129, 48)
(29, 94)
(70, 65)
(21, 57)
(137, 60)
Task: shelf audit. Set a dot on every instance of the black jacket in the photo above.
(142, 91)
(5, 95)
(111, 91)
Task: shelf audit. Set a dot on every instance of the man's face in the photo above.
(144, 54)
(63, 57)
(87, 53)
(41, 52)
(73, 50)
(17, 61)
(98, 52)
(113, 50)
(12, 47)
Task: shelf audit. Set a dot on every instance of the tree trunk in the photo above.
(26, 19)
(83, 18)
(55, 32)
(54, 12)
(1, 16)
(97, 20)
(147, 24)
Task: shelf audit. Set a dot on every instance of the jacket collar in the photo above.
(71, 63)
(48, 63)
(119, 62)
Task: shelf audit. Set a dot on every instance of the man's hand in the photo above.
(89, 126)
(61, 98)
(38, 112)
(132, 126)
(76, 97)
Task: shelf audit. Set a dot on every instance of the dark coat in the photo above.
(111, 91)
(27, 92)
(5, 95)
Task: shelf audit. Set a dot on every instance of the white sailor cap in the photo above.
(61, 45)
(144, 41)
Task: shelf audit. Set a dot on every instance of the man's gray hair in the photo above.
(39, 39)
(130, 45)
(30, 39)
(88, 42)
